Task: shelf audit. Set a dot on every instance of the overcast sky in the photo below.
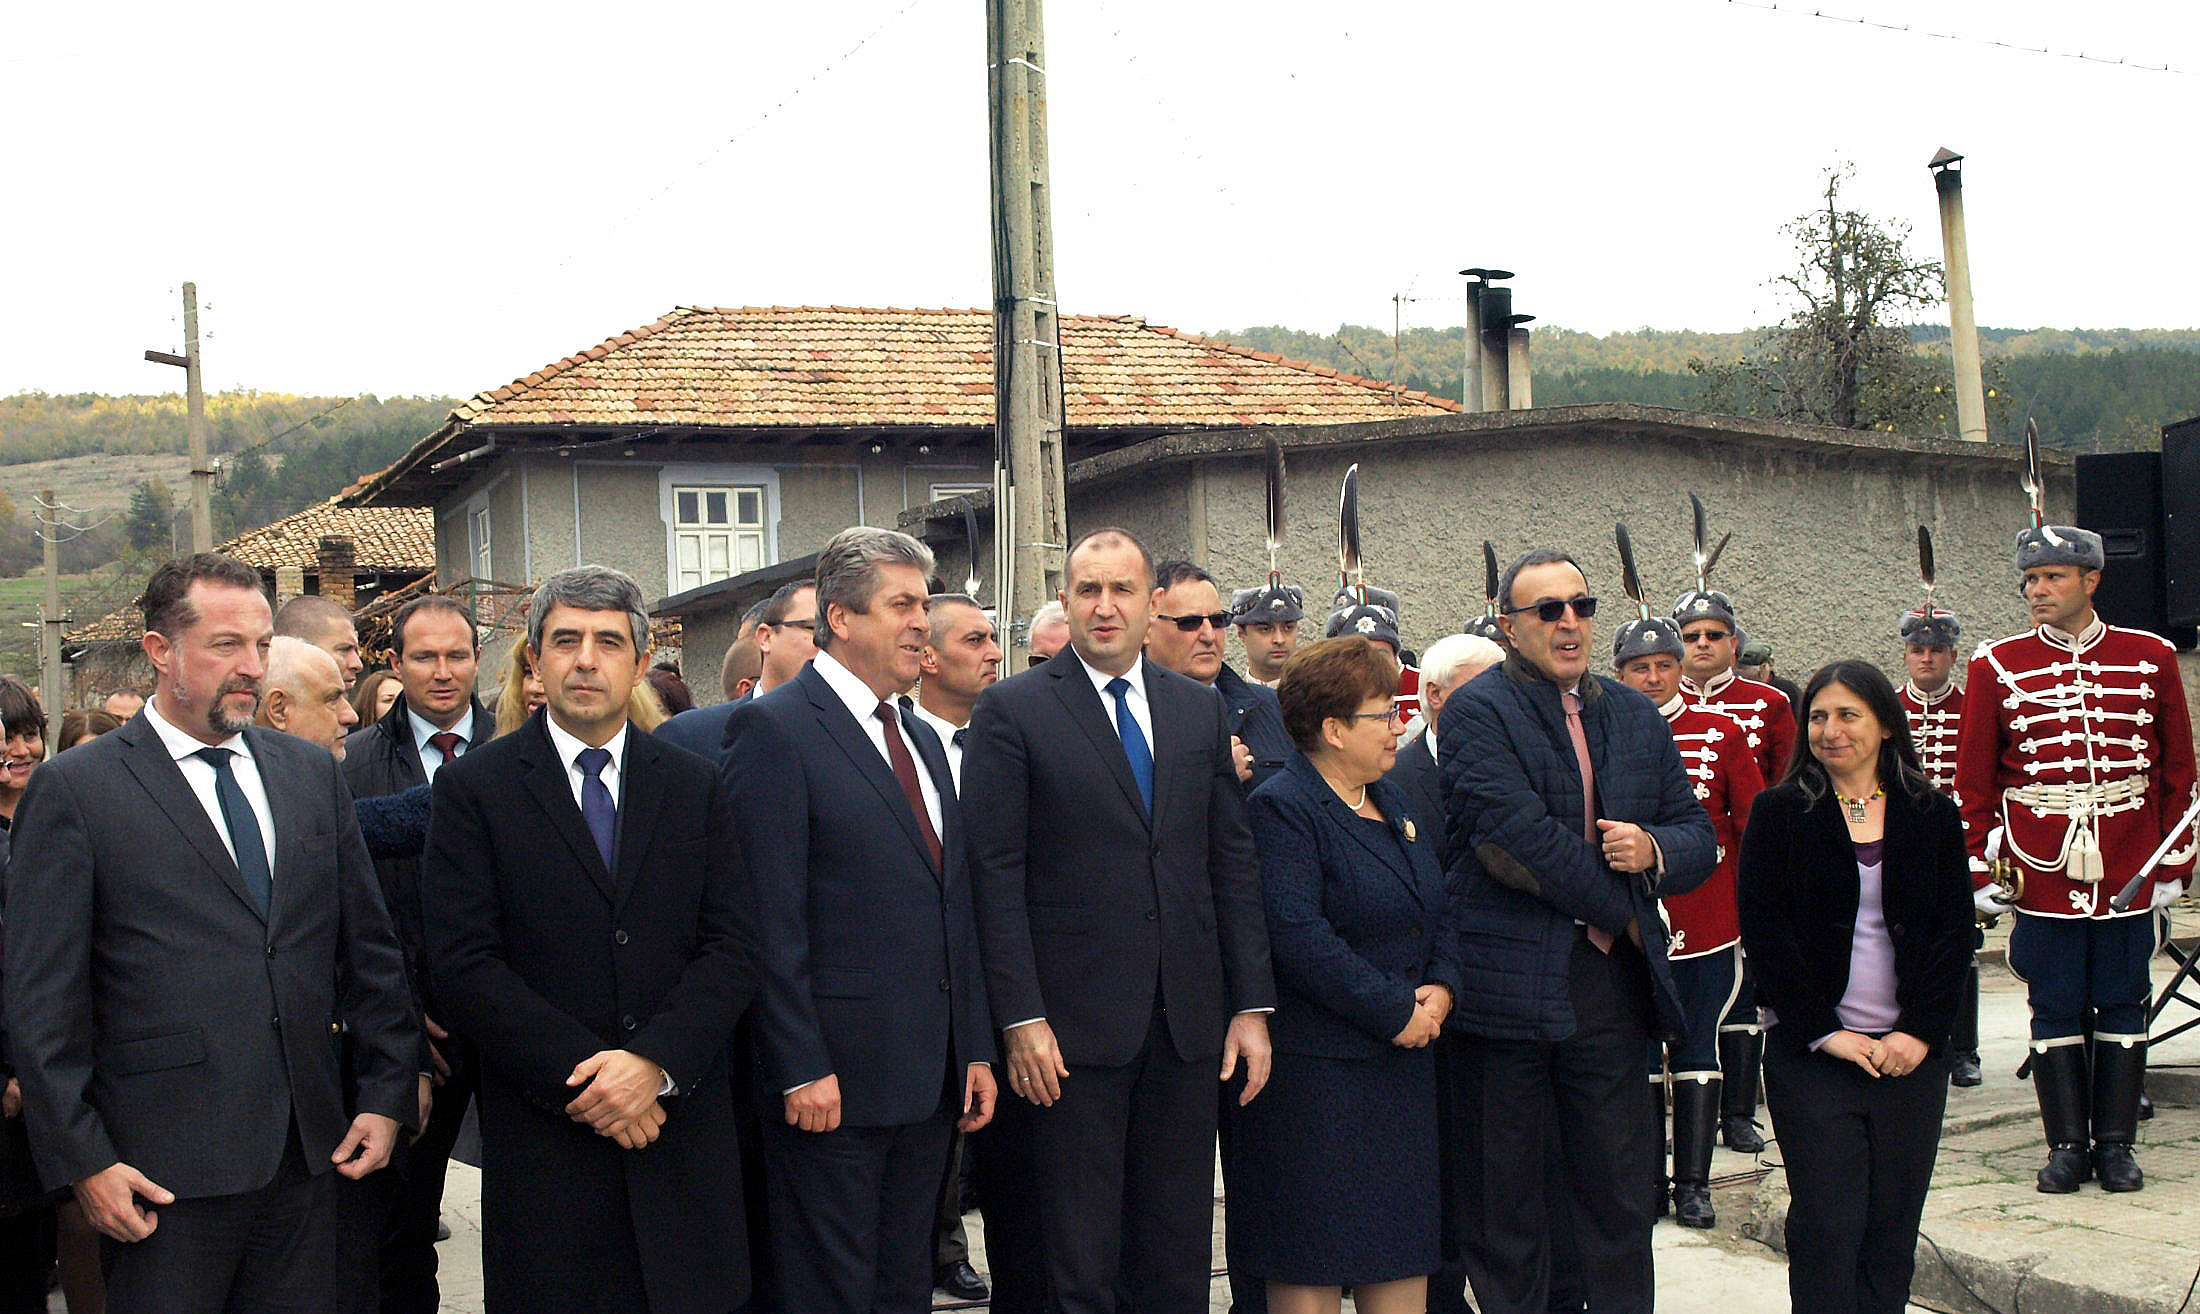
(437, 197)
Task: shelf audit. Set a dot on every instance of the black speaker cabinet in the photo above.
(2121, 497)
(2181, 521)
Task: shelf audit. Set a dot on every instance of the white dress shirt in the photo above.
(569, 747)
(863, 706)
(1141, 710)
(431, 760)
(198, 773)
(946, 730)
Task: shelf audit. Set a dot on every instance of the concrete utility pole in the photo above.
(48, 521)
(202, 472)
(1030, 520)
(1955, 251)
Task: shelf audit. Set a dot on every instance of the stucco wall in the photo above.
(818, 501)
(550, 504)
(621, 524)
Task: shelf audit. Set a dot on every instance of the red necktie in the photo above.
(1572, 703)
(905, 771)
(445, 742)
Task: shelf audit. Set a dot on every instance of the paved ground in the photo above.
(2020, 1252)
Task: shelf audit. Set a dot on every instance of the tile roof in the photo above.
(832, 366)
(385, 539)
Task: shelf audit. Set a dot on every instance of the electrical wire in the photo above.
(1799, 11)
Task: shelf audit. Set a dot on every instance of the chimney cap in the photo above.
(1943, 158)
(1488, 275)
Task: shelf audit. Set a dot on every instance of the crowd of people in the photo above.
(754, 1000)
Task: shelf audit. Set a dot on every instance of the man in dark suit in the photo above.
(702, 730)
(1569, 813)
(173, 1034)
(434, 721)
(1186, 595)
(871, 1017)
(589, 932)
(1125, 943)
(1449, 662)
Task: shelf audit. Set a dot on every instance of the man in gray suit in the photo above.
(195, 900)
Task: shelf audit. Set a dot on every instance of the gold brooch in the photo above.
(1410, 835)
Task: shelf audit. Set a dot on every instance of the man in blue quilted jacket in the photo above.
(1569, 815)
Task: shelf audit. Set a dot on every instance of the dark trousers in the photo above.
(2084, 974)
(852, 1212)
(1459, 1179)
(1708, 986)
(1590, 1085)
(1015, 1260)
(1859, 1155)
(1123, 1170)
(269, 1251)
(411, 1189)
(950, 1245)
(27, 1247)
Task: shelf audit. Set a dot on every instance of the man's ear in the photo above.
(275, 708)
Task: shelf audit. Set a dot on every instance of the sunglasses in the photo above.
(810, 625)
(1706, 636)
(1554, 610)
(1191, 624)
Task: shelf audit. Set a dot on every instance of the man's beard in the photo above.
(218, 721)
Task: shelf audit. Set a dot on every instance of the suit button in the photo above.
(336, 1028)
(271, 951)
(276, 1022)
(1151, 915)
(943, 983)
(627, 1021)
(1155, 851)
(618, 937)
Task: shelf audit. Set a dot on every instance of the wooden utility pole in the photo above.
(1955, 250)
(1030, 523)
(194, 395)
(48, 521)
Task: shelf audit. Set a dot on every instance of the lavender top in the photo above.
(1868, 1005)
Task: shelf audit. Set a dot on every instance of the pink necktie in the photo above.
(1572, 703)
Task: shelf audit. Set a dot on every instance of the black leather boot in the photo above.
(1741, 1058)
(1963, 1068)
(1658, 1145)
(2060, 1081)
(1695, 1120)
(2119, 1064)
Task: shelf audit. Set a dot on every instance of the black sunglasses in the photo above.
(1552, 611)
(1190, 624)
(810, 625)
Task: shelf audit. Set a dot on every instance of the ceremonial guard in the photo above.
(2075, 764)
(1703, 929)
(1267, 618)
(1369, 612)
(1711, 643)
(1486, 625)
(1933, 702)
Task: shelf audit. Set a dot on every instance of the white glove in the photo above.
(1983, 899)
(2166, 893)
(1993, 844)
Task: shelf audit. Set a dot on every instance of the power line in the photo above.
(1799, 11)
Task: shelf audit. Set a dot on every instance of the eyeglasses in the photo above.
(1393, 714)
(810, 625)
(1191, 624)
(1706, 636)
(1554, 610)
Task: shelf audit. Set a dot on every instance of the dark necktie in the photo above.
(446, 742)
(905, 771)
(244, 829)
(597, 809)
(1572, 703)
(1134, 741)
(960, 731)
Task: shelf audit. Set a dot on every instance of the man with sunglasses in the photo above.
(1710, 645)
(786, 636)
(1187, 637)
(1570, 815)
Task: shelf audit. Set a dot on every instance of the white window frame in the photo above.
(731, 479)
(479, 555)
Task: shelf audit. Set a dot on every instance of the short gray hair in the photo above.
(287, 656)
(589, 588)
(1448, 656)
(847, 570)
(936, 608)
(1053, 613)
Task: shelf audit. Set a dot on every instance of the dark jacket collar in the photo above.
(1521, 671)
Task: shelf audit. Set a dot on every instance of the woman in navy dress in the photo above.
(1335, 1181)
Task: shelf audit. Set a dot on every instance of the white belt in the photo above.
(2077, 797)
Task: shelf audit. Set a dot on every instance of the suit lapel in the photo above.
(639, 799)
(546, 779)
(833, 715)
(1087, 711)
(160, 777)
(1172, 720)
(286, 803)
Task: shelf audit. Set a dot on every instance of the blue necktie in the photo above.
(244, 829)
(1134, 741)
(597, 809)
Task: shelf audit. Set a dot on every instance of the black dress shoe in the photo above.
(442, 1229)
(1963, 1069)
(1740, 1134)
(2118, 1171)
(961, 1281)
(1692, 1205)
(2067, 1167)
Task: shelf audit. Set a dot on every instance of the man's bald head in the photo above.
(327, 626)
(302, 693)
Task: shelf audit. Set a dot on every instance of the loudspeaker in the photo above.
(2120, 497)
(2181, 521)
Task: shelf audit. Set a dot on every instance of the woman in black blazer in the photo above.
(1333, 1180)
(1856, 913)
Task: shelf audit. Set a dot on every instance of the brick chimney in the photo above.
(337, 560)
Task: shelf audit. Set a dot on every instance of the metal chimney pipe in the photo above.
(1516, 356)
(1496, 339)
(1470, 385)
(1962, 324)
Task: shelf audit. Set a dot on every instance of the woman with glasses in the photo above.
(1855, 898)
(1333, 1179)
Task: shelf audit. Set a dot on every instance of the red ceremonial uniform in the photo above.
(1409, 691)
(2072, 745)
(1935, 726)
(1722, 769)
(1764, 712)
